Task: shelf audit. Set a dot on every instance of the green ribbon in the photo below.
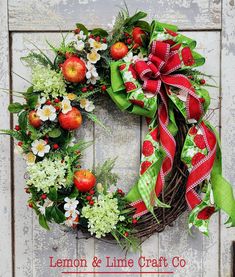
(222, 189)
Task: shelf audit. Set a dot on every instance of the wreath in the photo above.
(148, 70)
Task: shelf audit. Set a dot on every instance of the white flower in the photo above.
(93, 56)
(71, 203)
(130, 58)
(47, 203)
(91, 74)
(40, 147)
(69, 222)
(66, 105)
(47, 112)
(30, 158)
(97, 45)
(87, 105)
(41, 101)
(128, 76)
(81, 35)
(79, 45)
(70, 208)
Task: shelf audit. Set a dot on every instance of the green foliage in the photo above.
(130, 21)
(15, 107)
(82, 28)
(55, 213)
(99, 32)
(54, 133)
(23, 120)
(34, 58)
(43, 222)
(104, 174)
(52, 195)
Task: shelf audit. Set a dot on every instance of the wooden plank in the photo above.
(122, 142)
(34, 246)
(197, 250)
(228, 124)
(63, 14)
(5, 162)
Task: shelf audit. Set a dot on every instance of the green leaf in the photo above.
(32, 100)
(99, 32)
(74, 193)
(43, 222)
(82, 28)
(52, 195)
(15, 107)
(23, 119)
(133, 19)
(57, 215)
(54, 133)
(144, 25)
(34, 58)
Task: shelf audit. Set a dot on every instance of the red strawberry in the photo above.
(206, 213)
(130, 86)
(122, 66)
(148, 148)
(199, 141)
(154, 134)
(137, 102)
(144, 166)
(197, 158)
(193, 131)
(187, 56)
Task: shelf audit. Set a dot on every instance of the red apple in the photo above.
(34, 120)
(74, 70)
(138, 34)
(84, 180)
(118, 50)
(71, 120)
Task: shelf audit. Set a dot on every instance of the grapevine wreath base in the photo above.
(148, 70)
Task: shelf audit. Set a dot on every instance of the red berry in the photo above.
(27, 190)
(126, 35)
(17, 127)
(92, 192)
(126, 234)
(190, 77)
(46, 140)
(56, 100)
(77, 31)
(129, 41)
(84, 89)
(43, 196)
(57, 108)
(48, 102)
(20, 143)
(91, 36)
(202, 81)
(103, 87)
(91, 202)
(91, 87)
(31, 205)
(97, 38)
(120, 191)
(104, 40)
(60, 65)
(55, 146)
(134, 221)
(88, 198)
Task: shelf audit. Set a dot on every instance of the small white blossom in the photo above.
(41, 101)
(47, 112)
(66, 105)
(93, 56)
(91, 74)
(87, 105)
(47, 203)
(40, 147)
(81, 35)
(97, 45)
(71, 203)
(79, 45)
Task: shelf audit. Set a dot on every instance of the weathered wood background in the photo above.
(24, 247)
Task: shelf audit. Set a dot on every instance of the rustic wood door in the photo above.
(24, 247)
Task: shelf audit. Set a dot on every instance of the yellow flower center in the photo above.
(71, 96)
(83, 102)
(47, 112)
(40, 147)
(97, 45)
(30, 157)
(93, 56)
